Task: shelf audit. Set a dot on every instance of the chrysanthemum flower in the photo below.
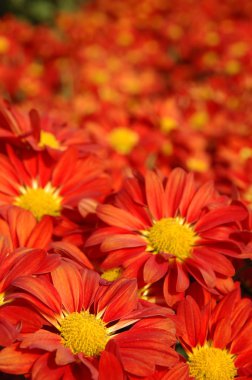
(16, 264)
(93, 327)
(39, 131)
(217, 340)
(170, 229)
(20, 229)
(36, 182)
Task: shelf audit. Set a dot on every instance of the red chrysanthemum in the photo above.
(15, 264)
(95, 330)
(217, 340)
(40, 131)
(170, 228)
(38, 183)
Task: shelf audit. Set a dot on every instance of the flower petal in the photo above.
(154, 194)
(119, 218)
(67, 281)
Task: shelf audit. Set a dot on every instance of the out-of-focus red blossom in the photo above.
(41, 132)
(171, 228)
(94, 327)
(233, 165)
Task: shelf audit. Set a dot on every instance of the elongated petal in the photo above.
(119, 218)
(73, 252)
(90, 283)
(202, 197)
(121, 241)
(110, 367)
(155, 268)
(64, 356)
(42, 233)
(119, 299)
(100, 234)
(179, 372)
(174, 191)
(216, 217)
(222, 334)
(16, 361)
(45, 368)
(64, 168)
(219, 263)
(67, 281)
(42, 339)
(190, 312)
(155, 195)
(182, 278)
(8, 332)
(41, 289)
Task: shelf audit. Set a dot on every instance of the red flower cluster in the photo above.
(125, 193)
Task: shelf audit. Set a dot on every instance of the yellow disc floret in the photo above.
(40, 201)
(210, 363)
(172, 236)
(123, 140)
(84, 333)
(48, 139)
(112, 274)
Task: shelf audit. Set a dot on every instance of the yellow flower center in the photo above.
(123, 140)
(210, 363)
(82, 332)
(173, 236)
(112, 274)
(2, 301)
(4, 44)
(48, 139)
(197, 165)
(40, 201)
(245, 153)
(167, 124)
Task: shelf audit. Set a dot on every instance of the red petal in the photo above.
(45, 368)
(41, 235)
(169, 288)
(119, 299)
(179, 372)
(31, 262)
(64, 168)
(110, 367)
(208, 258)
(16, 361)
(182, 278)
(189, 191)
(174, 191)
(222, 334)
(155, 195)
(155, 268)
(100, 234)
(42, 339)
(219, 216)
(64, 356)
(67, 281)
(71, 251)
(122, 241)
(190, 312)
(90, 284)
(41, 289)
(119, 218)
(203, 197)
